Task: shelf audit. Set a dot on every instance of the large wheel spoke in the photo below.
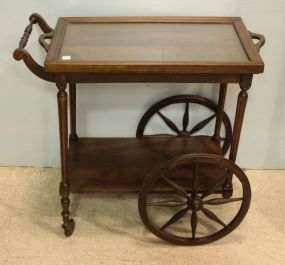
(221, 138)
(201, 124)
(168, 122)
(194, 222)
(170, 203)
(218, 201)
(181, 224)
(216, 185)
(179, 190)
(185, 101)
(186, 117)
(212, 216)
(176, 217)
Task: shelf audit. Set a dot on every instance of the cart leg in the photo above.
(64, 189)
(240, 110)
(72, 103)
(221, 104)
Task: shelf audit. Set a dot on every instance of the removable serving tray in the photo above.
(153, 45)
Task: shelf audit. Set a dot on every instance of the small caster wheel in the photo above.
(69, 227)
(197, 214)
(227, 191)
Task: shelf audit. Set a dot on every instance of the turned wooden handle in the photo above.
(27, 33)
(259, 37)
(34, 18)
(21, 53)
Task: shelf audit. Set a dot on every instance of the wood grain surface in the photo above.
(121, 164)
(153, 45)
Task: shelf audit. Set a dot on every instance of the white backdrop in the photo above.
(28, 108)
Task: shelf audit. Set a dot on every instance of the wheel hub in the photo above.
(184, 134)
(195, 204)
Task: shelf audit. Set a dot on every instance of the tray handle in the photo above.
(22, 54)
(259, 37)
(43, 37)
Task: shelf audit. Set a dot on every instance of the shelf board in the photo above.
(121, 164)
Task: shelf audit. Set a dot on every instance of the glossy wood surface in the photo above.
(194, 204)
(164, 42)
(152, 45)
(120, 164)
(64, 187)
(149, 49)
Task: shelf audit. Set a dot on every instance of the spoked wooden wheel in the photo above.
(156, 109)
(202, 215)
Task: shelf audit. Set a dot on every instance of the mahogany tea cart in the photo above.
(189, 193)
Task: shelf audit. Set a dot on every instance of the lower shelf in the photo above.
(121, 164)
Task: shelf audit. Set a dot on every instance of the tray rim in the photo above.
(253, 66)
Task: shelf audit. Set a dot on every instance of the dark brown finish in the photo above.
(240, 110)
(152, 78)
(185, 132)
(120, 164)
(152, 49)
(260, 38)
(64, 189)
(43, 38)
(72, 103)
(144, 42)
(27, 33)
(22, 54)
(220, 111)
(195, 202)
(78, 37)
(42, 23)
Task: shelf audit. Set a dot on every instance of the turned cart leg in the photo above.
(240, 110)
(72, 103)
(227, 187)
(64, 189)
(219, 116)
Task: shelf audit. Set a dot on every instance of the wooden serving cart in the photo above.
(186, 185)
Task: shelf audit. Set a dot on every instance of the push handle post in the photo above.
(22, 54)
